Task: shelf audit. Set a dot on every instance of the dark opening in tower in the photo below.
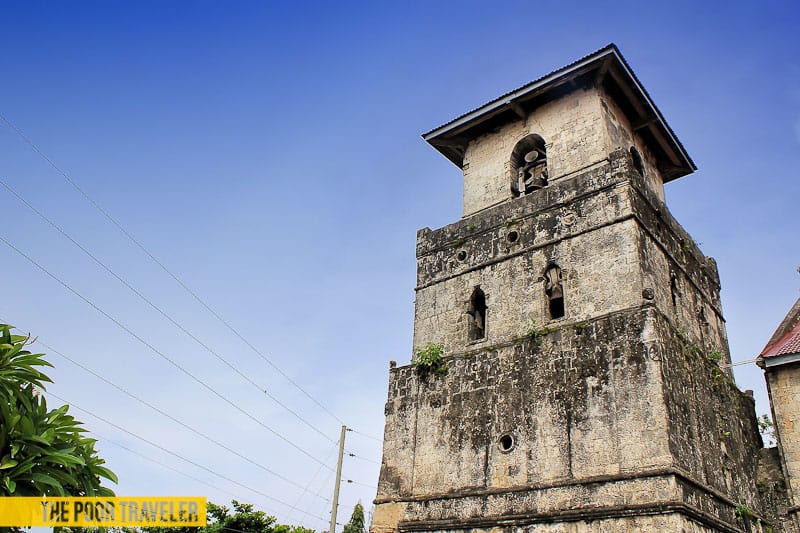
(636, 158)
(529, 165)
(554, 289)
(477, 312)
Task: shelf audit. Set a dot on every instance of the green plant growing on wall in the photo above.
(715, 356)
(743, 513)
(537, 333)
(430, 360)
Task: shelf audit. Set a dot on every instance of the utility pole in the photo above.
(332, 529)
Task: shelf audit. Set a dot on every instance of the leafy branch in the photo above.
(430, 359)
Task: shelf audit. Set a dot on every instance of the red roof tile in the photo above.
(786, 339)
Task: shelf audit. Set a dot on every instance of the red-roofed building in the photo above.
(780, 360)
(784, 346)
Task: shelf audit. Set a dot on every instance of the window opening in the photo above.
(638, 164)
(477, 310)
(673, 289)
(554, 289)
(529, 164)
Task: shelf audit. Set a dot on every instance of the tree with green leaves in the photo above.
(43, 452)
(245, 518)
(242, 519)
(356, 523)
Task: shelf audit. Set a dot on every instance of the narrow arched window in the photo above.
(636, 158)
(477, 313)
(528, 165)
(554, 290)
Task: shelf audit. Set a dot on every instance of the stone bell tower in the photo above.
(585, 386)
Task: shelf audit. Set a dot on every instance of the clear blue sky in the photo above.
(270, 155)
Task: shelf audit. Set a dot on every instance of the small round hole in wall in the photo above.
(461, 255)
(506, 443)
(512, 236)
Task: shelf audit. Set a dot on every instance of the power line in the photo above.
(175, 454)
(164, 268)
(351, 454)
(359, 483)
(160, 353)
(308, 487)
(161, 311)
(738, 363)
(159, 463)
(164, 465)
(176, 420)
(364, 435)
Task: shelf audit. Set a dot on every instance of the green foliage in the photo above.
(743, 513)
(42, 452)
(715, 356)
(281, 528)
(356, 523)
(537, 333)
(430, 359)
(767, 429)
(244, 518)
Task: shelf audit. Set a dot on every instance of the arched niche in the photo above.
(528, 165)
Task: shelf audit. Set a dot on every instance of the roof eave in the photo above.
(780, 360)
(442, 138)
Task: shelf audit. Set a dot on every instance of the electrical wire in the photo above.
(139, 245)
(364, 435)
(308, 486)
(359, 483)
(176, 420)
(159, 463)
(163, 465)
(161, 354)
(163, 313)
(350, 454)
(173, 453)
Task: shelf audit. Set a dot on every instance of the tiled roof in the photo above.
(786, 339)
(451, 138)
(606, 48)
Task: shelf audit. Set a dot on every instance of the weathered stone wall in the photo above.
(621, 135)
(569, 223)
(684, 283)
(556, 396)
(577, 401)
(579, 130)
(784, 390)
(713, 434)
(572, 127)
(603, 402)
(772, 490)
